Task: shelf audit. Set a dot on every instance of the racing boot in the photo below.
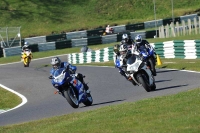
(123, 74)
(86, 88)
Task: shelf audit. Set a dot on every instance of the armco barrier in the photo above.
(134, 27)
(119, 29)
(46, 46)
(36, 40)
(1, 52)
(79, 42)
(186, 17)
(96, 32)
(109, 39)
(93, 40)
(56, 37)
(12, 51)
(76, 35)
(151, 34)
(153, 24)
(63, 44)
(34, 47)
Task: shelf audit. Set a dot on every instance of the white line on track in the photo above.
(24, 100)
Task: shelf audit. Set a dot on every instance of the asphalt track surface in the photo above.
(106, 84)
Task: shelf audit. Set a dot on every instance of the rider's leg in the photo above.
(80, 77)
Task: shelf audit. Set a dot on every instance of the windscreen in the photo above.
(58, 72)
(131, 60)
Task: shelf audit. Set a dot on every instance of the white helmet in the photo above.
(123, 49)
(55, 62)
(25, 43)
(124, 36)
(138, 39)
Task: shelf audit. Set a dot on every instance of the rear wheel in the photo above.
(144, 81)
(71, 97)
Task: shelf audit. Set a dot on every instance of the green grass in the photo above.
(176, 114)
(8, 100)
(42, 17)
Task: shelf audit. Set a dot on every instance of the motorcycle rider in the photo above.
(57, 63)
(144, 44)
(140, 43)
(122, 53)
(25, 48)
(127, 40)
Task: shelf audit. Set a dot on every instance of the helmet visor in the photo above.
(138, 41)
(55, 66)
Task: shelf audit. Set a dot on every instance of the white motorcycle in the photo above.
(139, 73)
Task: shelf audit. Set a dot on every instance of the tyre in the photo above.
(26, 62)
(71, 97)
(144, 81)
(89, 100)
(152, 65)
(153, 87)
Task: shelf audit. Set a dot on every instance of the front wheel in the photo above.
(143, 80)
(26, 62)
(152, 65)
(71, 97)
(153, 87)
(89, 100)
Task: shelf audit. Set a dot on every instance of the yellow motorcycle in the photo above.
(26, 57)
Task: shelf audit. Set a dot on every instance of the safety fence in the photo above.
(46, 46)
(186, 49)
(93, 37)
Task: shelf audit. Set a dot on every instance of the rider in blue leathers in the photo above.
(140, 43)
(56, 63)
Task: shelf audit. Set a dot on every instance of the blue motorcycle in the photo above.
(71, 88)
(149, 56)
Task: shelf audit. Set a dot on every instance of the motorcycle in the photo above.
(71, 88)
(149, 57)
(139, 73)
(26, 57)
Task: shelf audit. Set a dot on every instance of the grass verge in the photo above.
(175, 113)
(8, 100)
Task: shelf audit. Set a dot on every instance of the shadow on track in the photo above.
(170, 87)
(103, 103)
(163, 71)
(162, 80)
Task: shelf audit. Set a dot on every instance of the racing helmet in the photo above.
(124, 36)
(55, 62)
(25, 43)
(123, 49)
(138, 39)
